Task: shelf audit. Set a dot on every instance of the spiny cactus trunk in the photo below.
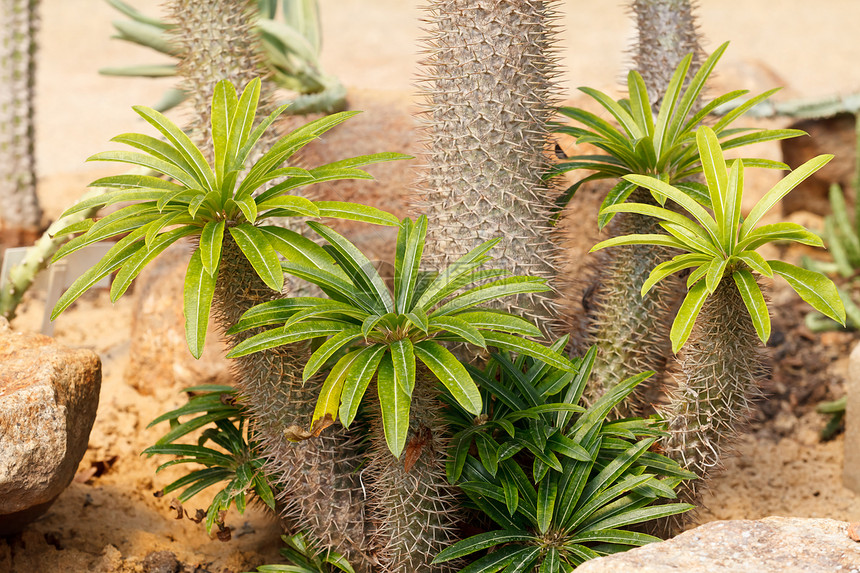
(412, 504)
(631, 331)
(718, 373)
(217, 40)
(21, 214)
(489, 96)
(318, 477)
(667, 32)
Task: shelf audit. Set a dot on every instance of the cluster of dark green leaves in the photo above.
(209, 202)
(590, 477)
(664, 146)
(226, 447)
(307, 557)
(290, 35)
(724, 244)
(393, 330)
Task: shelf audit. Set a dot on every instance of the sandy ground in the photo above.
(111, 522)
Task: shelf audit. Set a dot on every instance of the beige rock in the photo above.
(48, 400)
(769, 545)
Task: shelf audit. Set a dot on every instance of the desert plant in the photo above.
(398, 334)
(489, 97)
(307, 557)
(21, 210)
(235, 262)
(724, 311)
(628, 330)
(227, 448)
(590, 478)
(290, 48)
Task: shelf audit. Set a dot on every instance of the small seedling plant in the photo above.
(591, 478)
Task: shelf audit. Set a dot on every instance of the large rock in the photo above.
(48, 400)
(770, 545)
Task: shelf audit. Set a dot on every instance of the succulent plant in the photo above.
(21, 210)
(629, 330)
(489, 98)
(724, 313)
(398, 335)
(225, 205)
(590, 480)
(227, 448)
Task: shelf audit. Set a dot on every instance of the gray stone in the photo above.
(769, 545)
(48, 400)
(851, 470)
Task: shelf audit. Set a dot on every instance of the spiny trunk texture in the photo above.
(318, 478)
(217, 40)
(631, 331)
(21, 210)
(412, 505)
(717, 380)
(489, 94)
(667, 32)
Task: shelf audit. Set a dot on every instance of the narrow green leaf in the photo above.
(224, 101)
(240, 127)
(211, 240)
(687, 314)
(814, 288)
(714, 166)
(394, 405)
(361, 368)
(528, 348)
(357, 266)
(480, 542)
(321, 355)
(403, 362)
(260, 254)
(458, 327)
(281, 336)
(714, 275)
(356, 212)
(547, 491)
(451, 373)
(781, 189)
(755, 303)
(197, 300)
(182, 143)
(135, 264)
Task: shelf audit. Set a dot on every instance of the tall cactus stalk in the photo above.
(318, 477)
(717, 379)
(411, 502)
(21, 213)
(489, 98)
(667, 32)
(630, 331)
